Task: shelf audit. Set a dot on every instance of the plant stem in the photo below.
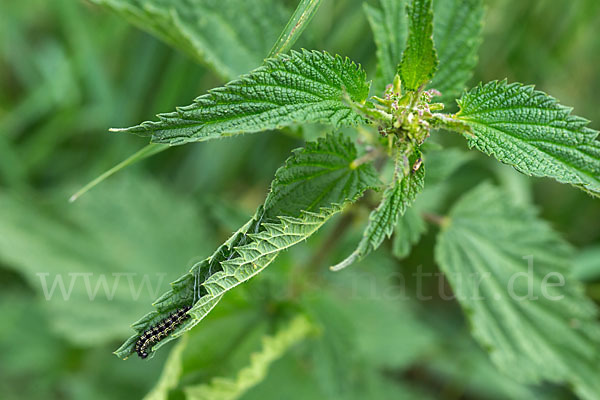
(439, 220)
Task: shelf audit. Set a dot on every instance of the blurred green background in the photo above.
(69, 70)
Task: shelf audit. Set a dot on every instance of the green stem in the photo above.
(295, 26)
(147, 151)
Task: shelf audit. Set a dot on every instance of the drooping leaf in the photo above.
(396, 199)
(532, 132)
(299, 87)
(388, 24)
(457, 37)
(510, 273)
(222, 348)
(237, 261)
(273, 348)
(254, 246)
(318, 175)
(419, 60)
(230, 36)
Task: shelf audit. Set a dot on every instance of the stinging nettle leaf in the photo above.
(310, 86)
(255, 245)
(389, 31)
(419, 60)
(237, 261)
(230, 36)
(531, 131)
(457, 37)
(396, 199)
(318, 175)
(510, 273)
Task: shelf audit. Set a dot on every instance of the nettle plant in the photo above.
(484, 233)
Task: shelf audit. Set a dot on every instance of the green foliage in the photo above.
(301, 87)
(389, 31)
(63, 253)
(171, 374)
(273, 347)
(399, 195)
(419, 60)
(390, 327)
(457, 36)
(484, 250)
(230, 36)
(531, 131)
(407, 232)
(587, 264)
(254, 246)
(303, 14)
(318, 175)
(456, 33)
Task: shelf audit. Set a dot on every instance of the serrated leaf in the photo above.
(457, 37)
(407, 232)
(230, 36)
(510, 273)
(532, 132)
(273, 348)
(443, 179)
(388, 24)
(382, 220)
(299, 87)
(318, 175)
(419, 60)
(237, 261)
(252, 248)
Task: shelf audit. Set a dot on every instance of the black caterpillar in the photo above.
(160, 331)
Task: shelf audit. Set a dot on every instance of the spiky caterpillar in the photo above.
(160, 331)
(165, 327)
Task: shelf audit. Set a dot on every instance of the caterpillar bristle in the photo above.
(161, 330)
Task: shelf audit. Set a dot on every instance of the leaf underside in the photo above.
(302, 87)
(532, 132)
(484, 252)
(254, 246)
